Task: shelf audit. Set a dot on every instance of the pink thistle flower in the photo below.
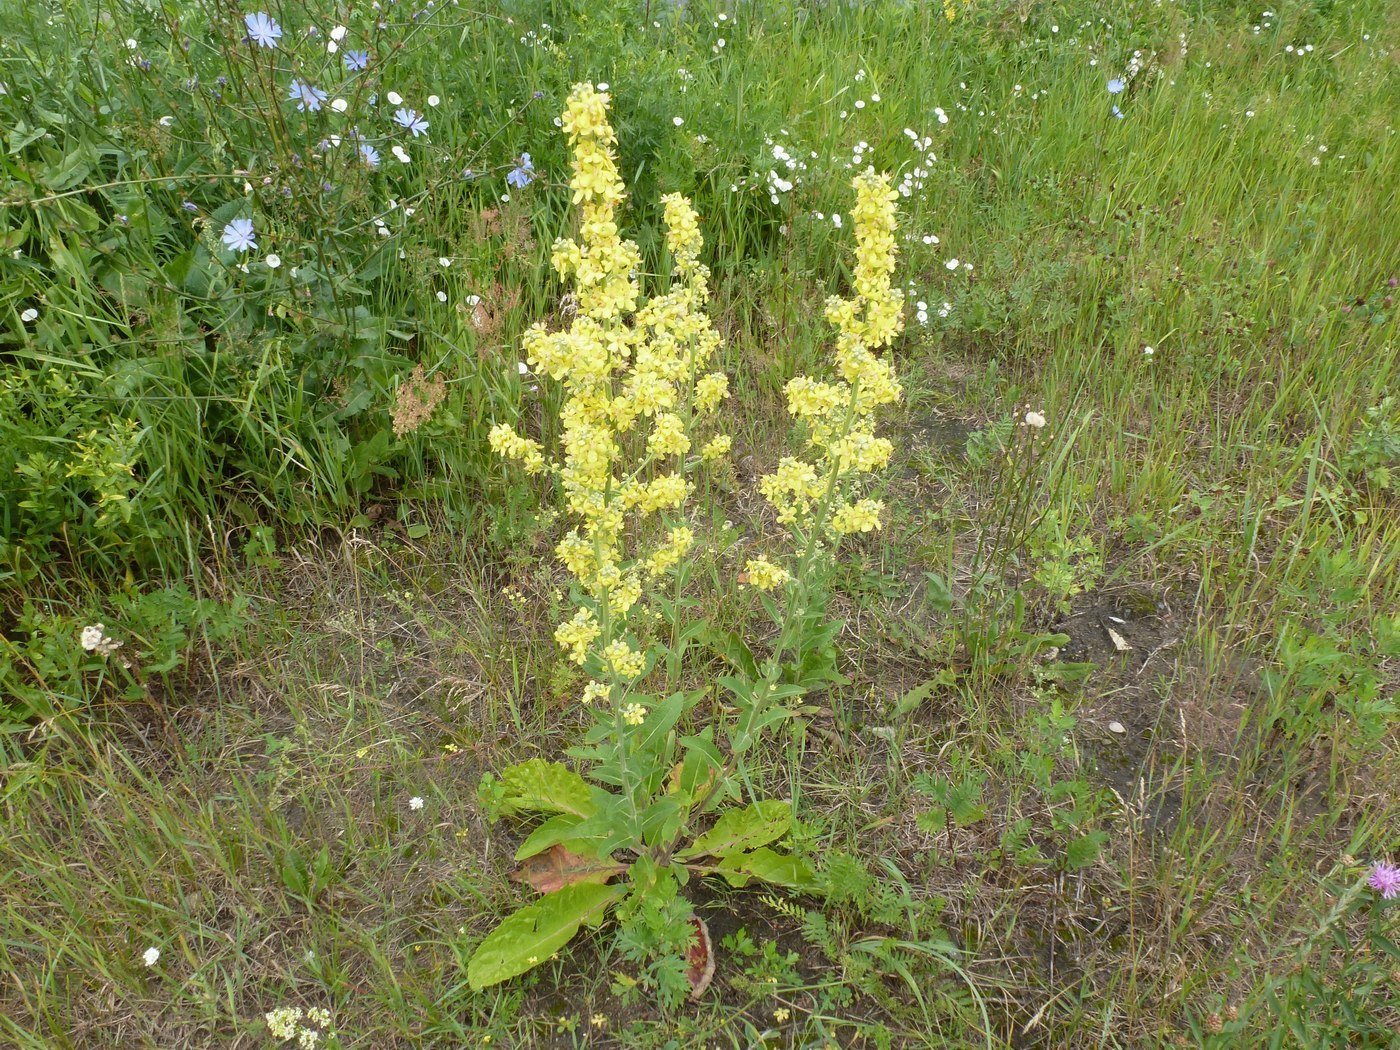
(1385, 880)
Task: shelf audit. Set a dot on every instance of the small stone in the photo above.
(1116, 727)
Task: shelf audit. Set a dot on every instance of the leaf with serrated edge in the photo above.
(743, 829)
(535, 932)
(777, 868)
(538, 786)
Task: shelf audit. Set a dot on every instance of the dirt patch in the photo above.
(1133, 637)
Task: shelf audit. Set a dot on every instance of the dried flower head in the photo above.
(416, 400)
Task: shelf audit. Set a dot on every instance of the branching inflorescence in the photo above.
(635, 394)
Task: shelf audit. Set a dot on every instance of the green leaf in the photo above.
(731, 647)
(1084, 850)
(777, 868)
(916, 696)
(538, 786)
(561, 827)
(651, 734)
(738, 830)
(701, 765)
(535, 932)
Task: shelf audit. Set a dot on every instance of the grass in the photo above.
(1118, 742)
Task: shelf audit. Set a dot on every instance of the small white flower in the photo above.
(416, 802)
(522, 368)
(338, 33)
(29, 315)
(339, 105)
(166, 121)
(1035, 419)
(677, 121)
(131, 44)
(444, 261)
(442, 297)
(952, 264)
(401, 154)
(92, 636)
(394, 98)
(1148, 351)
(151, 956)
(273, 260)
(433, 100)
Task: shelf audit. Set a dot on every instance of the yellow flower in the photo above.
(578, 634)
(710, 390)
(808, 397)
(634, 714)
(791, 489)
(765, 575)
(504, 441)
(680, 540)
(839, 411)
(668, 436)
(624, 661)
(858, 517)
(630, 368)
(594, 691)
(716, 448)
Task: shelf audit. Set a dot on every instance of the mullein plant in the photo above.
(638, 421)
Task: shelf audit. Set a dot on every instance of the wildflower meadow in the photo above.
(693, 524)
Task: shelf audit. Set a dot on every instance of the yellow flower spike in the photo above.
(839, 412)
(504, 441)
(632, 372)
(624, 661)
(668, 437)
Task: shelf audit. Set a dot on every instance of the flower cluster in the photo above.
(307, 1027)
(94, 639)
(821, 497)
(635, 393)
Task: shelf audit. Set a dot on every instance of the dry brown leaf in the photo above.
(558, 867)
(701, 957)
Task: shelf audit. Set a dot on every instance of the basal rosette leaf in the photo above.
(559, 866)
(765, 864)
(739, 830)
(537, 786)
(535, 932)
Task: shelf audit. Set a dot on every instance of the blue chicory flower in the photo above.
(356, 60)
(239, 237)
(307, 96)
(523, 174)
(262, 30)
(408, 118)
